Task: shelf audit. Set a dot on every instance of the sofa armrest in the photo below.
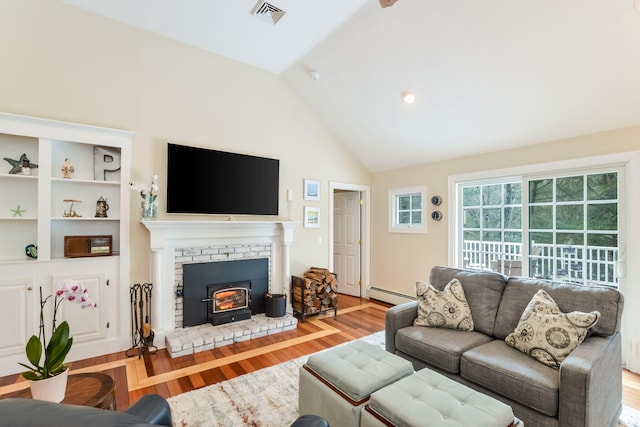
(153, 409)
(591, 383)
(18, 412)
(399, 316)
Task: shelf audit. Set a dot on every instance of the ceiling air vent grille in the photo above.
(267, 12)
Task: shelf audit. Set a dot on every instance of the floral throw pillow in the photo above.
(443, 309)
(546, 333)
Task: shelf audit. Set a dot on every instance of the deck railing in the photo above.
(590, 265)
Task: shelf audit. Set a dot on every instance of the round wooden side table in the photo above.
(89, 389)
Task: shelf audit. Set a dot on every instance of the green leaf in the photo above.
(30, 375)
(56, 363)
(34, 350)
(58, 348)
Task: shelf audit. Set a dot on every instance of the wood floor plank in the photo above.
(174, 388)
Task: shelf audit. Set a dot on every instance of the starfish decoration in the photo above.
(19, 164)
(18, 211)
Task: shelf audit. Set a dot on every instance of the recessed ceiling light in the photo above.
(408, 97)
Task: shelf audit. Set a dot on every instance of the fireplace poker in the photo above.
(133, 291)
(147, 332)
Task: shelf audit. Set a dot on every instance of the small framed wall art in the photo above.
(311, 217)
(311, 189)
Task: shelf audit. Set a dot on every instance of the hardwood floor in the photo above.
(631, 389)
(159, 373)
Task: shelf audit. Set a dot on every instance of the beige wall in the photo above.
(399, 260)
(65, 64)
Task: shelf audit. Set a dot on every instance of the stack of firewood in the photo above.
(318, 292)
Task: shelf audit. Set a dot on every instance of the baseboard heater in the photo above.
(388, 296)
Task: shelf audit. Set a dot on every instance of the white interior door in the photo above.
(346, 242)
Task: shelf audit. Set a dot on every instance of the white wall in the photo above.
(62, 63)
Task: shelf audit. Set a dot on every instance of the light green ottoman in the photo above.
(336, 383)
(429, 399)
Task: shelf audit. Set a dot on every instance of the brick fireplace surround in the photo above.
(174, 243)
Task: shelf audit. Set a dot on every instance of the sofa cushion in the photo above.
(483, 290)
(359, 368)
(438, 347)
(546, 333)
(443, 309)
(513, 374)
(569, 297)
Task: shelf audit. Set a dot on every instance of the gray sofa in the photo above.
(585, 391)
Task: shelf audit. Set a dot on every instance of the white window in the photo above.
(491, 226)
(407, 210)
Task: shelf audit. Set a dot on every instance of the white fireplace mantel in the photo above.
(182, 233)
(167, 236)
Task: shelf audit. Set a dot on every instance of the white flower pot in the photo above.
(51, 389)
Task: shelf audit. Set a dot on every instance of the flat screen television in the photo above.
(206, 181)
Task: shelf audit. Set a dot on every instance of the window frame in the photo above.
(394, 226)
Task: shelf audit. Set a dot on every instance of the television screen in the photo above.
(206, 181)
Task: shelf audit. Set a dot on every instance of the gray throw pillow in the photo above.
(546, 333)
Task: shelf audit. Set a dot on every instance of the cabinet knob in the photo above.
(29, 288)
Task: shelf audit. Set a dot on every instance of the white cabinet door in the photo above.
(16, 306)
(100, 277)
(87, 323)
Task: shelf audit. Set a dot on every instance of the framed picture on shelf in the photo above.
(311, 217)
(311, 189)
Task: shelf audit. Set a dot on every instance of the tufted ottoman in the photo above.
(337, 383)
(430, 399)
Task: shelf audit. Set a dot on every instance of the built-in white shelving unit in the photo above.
(33, 211)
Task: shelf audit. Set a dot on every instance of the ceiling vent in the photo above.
(267, 12)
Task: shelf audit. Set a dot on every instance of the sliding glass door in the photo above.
(574, 227)
(565, 226)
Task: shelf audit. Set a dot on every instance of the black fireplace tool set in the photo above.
(141, 332)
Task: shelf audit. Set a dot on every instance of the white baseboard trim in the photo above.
(388, 296)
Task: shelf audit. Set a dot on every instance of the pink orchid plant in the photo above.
(57, 348)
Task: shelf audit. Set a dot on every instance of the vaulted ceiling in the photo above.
(487, 74)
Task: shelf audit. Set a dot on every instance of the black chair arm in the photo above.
(153, 408)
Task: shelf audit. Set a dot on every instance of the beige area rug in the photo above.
(266, 398)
